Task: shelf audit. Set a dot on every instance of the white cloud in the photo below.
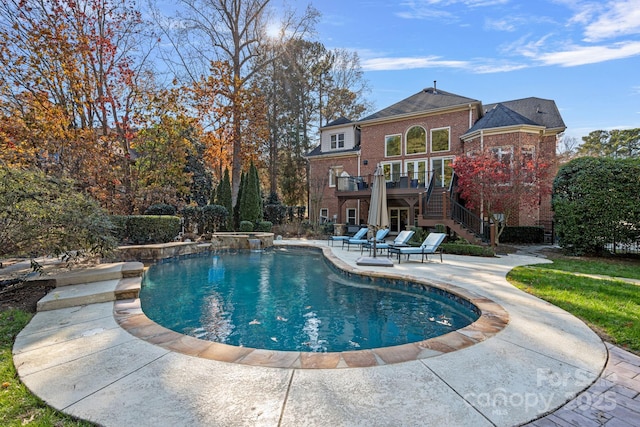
(500, 25)
(582, 55)
(405, 63)
(435, 9)
(621, 18)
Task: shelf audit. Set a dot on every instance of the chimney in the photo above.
(434, 87)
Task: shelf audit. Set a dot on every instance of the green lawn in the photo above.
(18, 406)
(611, 307)
(607, 267)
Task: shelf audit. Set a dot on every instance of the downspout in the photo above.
(359, 176)
(481, 195)
(470, 116)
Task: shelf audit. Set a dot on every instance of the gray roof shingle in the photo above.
(543, 112)
(423, 101)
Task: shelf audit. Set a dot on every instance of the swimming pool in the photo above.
(292, 299)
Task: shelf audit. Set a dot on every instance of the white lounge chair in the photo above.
(430, 246)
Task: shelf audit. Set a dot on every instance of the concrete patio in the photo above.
(81, 361)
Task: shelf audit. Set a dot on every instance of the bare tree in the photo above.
(567, 148)
(232, 32)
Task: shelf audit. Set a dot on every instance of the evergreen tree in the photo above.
(251, 202)
(223, 196)
(236, 208)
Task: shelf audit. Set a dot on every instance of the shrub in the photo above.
(522, 235)
(213, 217)
(160, 209)
(467, 249)
(246, 226)
(119, 230)
(144, 229)
(43, 215)
(418, 237)
(192, 216)
(264, 226)
(597, 202)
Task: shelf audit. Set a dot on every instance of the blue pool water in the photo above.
(291, 299)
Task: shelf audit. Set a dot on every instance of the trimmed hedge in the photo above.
(465, 249)
(246, 226)
(160, 209)
(145, 229)
(522, 235)
(264, 226)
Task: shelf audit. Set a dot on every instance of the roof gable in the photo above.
(543, 112)
(423, 101)
(501, 116)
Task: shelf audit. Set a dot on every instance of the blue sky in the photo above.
(585, 55)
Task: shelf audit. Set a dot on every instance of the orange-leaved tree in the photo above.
(70, 73)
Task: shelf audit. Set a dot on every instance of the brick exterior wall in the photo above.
(372, 146)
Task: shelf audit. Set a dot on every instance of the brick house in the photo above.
(415, 141)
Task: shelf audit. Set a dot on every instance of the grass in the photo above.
(610, 307)
(606, 267)
(18, 406)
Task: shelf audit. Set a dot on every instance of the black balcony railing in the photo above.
(363, 183)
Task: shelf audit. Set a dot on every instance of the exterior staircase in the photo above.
(438, 207)
(104, 283)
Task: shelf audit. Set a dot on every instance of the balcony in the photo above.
(362, 184)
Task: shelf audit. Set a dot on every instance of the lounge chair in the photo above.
(359, 235)
(400, 241)
(429, 246)
(380, 235)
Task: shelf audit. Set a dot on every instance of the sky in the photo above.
(584, 55)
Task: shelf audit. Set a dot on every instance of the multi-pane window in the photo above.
(440, 140)
(528, 164)
(503, 154)
(337, 141)
(528, 153)
(443, 171)
(392, 171)
(324, 215)
(416, 140)
(351, 216)
(392, 145)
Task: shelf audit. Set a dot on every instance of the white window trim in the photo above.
(385, 145)
(355, 215)
(339, 142)
(395, 162)
(406, 141)
(448, 128)
(324, 218)
(333, 177)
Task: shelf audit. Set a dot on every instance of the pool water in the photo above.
(291, 299)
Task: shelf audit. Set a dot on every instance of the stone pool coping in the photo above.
(493, 318)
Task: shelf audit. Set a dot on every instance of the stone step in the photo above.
(104, 283)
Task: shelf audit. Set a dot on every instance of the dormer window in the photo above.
(337, 141)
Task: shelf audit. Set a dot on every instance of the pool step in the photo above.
(104, 283)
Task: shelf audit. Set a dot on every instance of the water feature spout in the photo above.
(255, 245)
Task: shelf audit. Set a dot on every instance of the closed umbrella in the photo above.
(378, 215)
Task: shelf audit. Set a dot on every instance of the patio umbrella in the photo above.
(378, 215)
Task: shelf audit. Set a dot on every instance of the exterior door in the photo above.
(398, 219)
(416, 172)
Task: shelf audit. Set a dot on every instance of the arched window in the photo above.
(416, 140)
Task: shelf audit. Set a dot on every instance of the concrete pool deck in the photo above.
(80, 360)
